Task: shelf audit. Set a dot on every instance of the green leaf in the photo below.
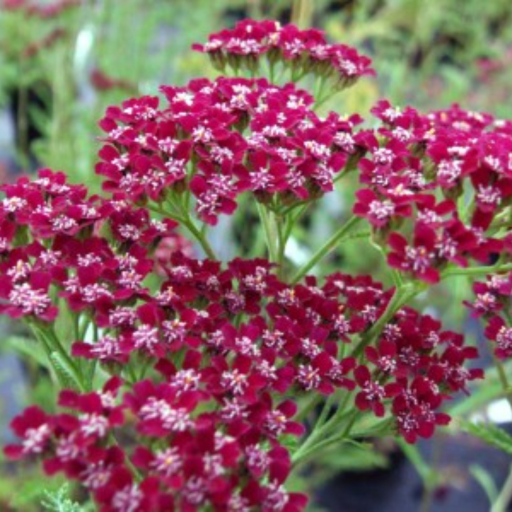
(290, 442)
(62, 369)
(490, 434)
(64, 326)
(484, 478)
(28, 348)
(370, 426)
(39, 118)
(24, 491)
(59, 501)
(352, 456)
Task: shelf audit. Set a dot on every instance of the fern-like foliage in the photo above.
(59, 501)
(490, 434)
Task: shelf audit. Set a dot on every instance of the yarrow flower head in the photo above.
(300, 51)
(220, 139)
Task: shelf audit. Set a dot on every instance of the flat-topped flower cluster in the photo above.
(186, 395)
(237, 134)
(300, 52)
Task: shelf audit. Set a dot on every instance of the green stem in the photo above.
(83, 329)
(505, 495)
(270, 236)
(507, 390)
(427, 475)
(310, 405)
(350, 424)
(397, 278)
(326, 409)
(90, 368)
(340, 411)
(144, 366)
(322, 429)
(328, 246)
(416, 459)
(318, 440)
(282, 239)
(466, 213)
(76, 325)
(131, 371)
(52, 345)
(302, 13)
(300, 204)
(75, 370)
(201, 238)
(165, 213)
(48, 352)
(89, 375)
(476, 271)
(294, 218)
(182, 217)
(271, 72)
(323, 100)
(323, 426)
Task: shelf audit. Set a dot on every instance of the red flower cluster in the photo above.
(300, 51)
(241, 337)
(492, 302)
(287, 342)
(219, 139)
(418, 366)
(49, 235)
(178, 456)
(422, 168)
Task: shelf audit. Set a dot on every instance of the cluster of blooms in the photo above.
(181, 458)
(290, 155)
(492, 303)
(49, 234)
(302, 51)
(286, 152)
(205, 430)
(51, 237)
(426, 366)
(287, 344)
(423, 168)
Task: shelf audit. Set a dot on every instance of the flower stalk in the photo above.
(327, 247)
